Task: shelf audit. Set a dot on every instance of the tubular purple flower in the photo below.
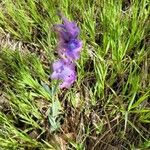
(70, 50)
(68, 45)
(71, 28)
(64, 71)
(67, 31)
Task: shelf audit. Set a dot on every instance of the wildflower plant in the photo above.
(68, 48)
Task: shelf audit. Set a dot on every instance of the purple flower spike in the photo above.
(65, 71)
(69, 48)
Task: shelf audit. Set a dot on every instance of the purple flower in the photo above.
(68, 46)
(70, 50)
(67, 31)
(65, 71)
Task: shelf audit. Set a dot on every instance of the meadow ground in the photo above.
(107, 108)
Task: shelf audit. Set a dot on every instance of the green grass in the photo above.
(107, 108)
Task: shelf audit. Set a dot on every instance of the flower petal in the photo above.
(71, 27)
(57, 64)
(63, 35)
(64, 70)
(54, 75)
(69, 80)
(74, 52)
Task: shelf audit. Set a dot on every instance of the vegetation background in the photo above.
(109, 105)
